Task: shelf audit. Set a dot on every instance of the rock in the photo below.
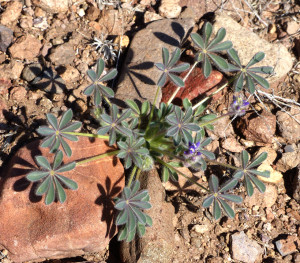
(139, 75)
(62, 55)
(18, 94)
(292, 27)
(52, 6)
(31, 71)
(287, 246)
(70, 75)
(289, 127)
(26, 22)
(111, 23)
(5, 84)
(183, 184)
(296, 185)
(297, 257)
(157, 246)
(259, 128)
(12, 70)
(277, 55)
(151, 16)
(196, 86)
(222, 129)
(92, 13)
(275, 176)
(245, 249)
(232, 145)
(266, 199)
(169, 8)
(11, 13)
(26, 47)
(6, 37)
(289, 160)
(201, 229)
(84, 223)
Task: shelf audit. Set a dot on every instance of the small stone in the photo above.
(52, 6)
(70, 75)
(6, 37)
(26, 22)
(289, 127)
(26, 47)
(289, 160)
(122, 41)
(31, 71)
(259, 128)
(5, 84)
(297, 258)
(272, 155)
(287, 246)
(232, 145)
(275, 176)
(81, 12)
(92, 13)
(151, 16)
(11, 13)
(169, 9)
(245, 249)
(222, 129)
(201, 229)
(196, 85)
(266, 199)
(62, 54)
(39, 12)
(12, 70)
(292, 27)
(18, 94)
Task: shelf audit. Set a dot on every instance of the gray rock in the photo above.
(289, 160)
(6, 37)
(158, 244)
(296, 185)
(245, 249)
(62, 55)
(31, 71)
(248, 43)
(289, 127)
(139, 75)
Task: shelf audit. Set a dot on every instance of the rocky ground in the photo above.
(46, 47)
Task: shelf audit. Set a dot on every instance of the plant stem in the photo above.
(97, 157)
(132, 175)
(185, 176)
(107, 100)
(153, 107)
(138, 174)
(209, 96)
(184, 79)
(88, 135)
(213, 120)
(223, 164)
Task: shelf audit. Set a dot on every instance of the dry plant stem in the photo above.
(97, 157)
(223, 164)
(210, 96)
(132, 175)
(88, 135)
(184, 79)
(185, 176)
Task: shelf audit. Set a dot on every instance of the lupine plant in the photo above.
(167, 136)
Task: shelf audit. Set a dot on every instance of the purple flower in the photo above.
(238, 106)
(193, 154)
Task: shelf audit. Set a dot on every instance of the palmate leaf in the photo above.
(248, 73)
(218, 197)
(52, 182)
(97, 88)
(58, 132)
(130, 206)
(208, 49)
(169, 66)
(250, 173)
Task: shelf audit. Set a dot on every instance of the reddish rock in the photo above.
(232, 145)
(11, 13)
(26, 47)
(287, 246)
(5, 84)
(92, 13)
(63, 54)
(18, 93)
(196, 85)
(3, 108)
(30, 230)
(53, 6)
(259, 128)
(12, 70)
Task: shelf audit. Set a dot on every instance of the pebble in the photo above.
(272, 155)
(232, 145)
(92, 13)
(31, 71)
(11, 13)
(151, 16)
(62, 55)
(169, 8)
(201, 229)
(289, 160)
(26, 47)
(26, 22)
(12, 70)
(287, 246)
(292, 27)
(275, 176)
(6, 37)
(245, 249)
